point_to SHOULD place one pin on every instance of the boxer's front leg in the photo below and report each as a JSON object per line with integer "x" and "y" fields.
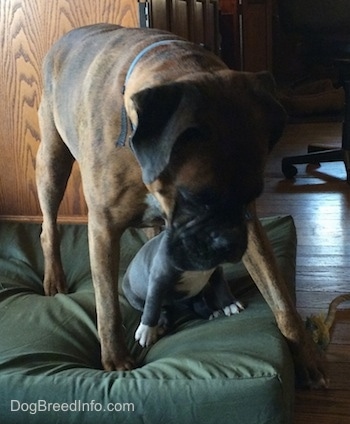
{"x": 104, "y": 245}
{"x": 260, "y": 262}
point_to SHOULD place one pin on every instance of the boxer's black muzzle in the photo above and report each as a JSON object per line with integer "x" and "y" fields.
{"x": 205, "y": 233}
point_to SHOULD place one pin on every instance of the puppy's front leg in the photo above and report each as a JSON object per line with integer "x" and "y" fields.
{"x": 104, "y": 242}
{"x": 149, "y": 331}
{"x": 260, "y": 262}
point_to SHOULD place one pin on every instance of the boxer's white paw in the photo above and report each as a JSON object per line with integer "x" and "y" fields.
{"x": 146, "y": 335}
{"x": 234, "y": 308}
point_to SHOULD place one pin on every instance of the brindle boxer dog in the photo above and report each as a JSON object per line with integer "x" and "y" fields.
{"x": 149, "y": 115}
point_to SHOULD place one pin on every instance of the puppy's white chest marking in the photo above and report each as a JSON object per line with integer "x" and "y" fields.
{"x": 192, "y": 282}
{"x": 153, "y": 211}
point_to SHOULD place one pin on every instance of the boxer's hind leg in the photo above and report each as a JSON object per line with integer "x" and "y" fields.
{"x": 53, "y": 166}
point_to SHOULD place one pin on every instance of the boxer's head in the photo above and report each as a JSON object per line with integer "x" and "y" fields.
{"x": 202, "y": 146}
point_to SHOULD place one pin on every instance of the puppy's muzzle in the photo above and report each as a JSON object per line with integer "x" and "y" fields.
{"x": 205, "y": 242}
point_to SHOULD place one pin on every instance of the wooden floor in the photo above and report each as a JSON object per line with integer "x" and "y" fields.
{"x": 319, "y": 201}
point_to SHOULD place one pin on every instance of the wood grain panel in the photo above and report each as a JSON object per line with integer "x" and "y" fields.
{"x": 28, "y": 28}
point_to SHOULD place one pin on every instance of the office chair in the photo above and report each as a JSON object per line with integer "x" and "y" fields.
{"x": 325, "y": 28}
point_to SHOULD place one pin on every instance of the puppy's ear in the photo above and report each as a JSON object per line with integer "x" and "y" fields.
{"x": 159, "y": 125}
{"x": 265, "y": 90}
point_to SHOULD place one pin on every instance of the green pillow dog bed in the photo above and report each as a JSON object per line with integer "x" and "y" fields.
{"x": 234, "y": 369}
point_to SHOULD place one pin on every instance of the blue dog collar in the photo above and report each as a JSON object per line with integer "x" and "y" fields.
{"x": 124, "y": 118}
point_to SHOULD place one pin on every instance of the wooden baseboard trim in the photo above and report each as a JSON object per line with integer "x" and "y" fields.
{"x": 38, "y": 219}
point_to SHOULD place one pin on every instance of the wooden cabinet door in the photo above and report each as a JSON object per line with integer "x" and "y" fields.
{"x": 206, "y": 21}
{"x": 246, "y": 31}
{"x": 182, "y": 19}
{"x": 195, "y": 20}
{"x": 257, "y": 35}
{"x": 28, "y": 28}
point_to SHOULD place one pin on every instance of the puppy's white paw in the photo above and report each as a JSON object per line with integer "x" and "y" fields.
{"x": 146, "y": 335}
{"x": 215, "y": 314}
{"x": 234, "y": 308}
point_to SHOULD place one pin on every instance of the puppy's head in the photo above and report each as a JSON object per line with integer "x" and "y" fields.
{"x": 205, "y": 230}
{"x": 202, "y": 146}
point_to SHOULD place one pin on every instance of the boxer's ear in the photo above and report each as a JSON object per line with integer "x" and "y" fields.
{"x": 265, "y": 90}
{"x": 158, "y": 126}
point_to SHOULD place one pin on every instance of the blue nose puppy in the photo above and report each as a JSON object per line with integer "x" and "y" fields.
{"x": 153, "y": 281}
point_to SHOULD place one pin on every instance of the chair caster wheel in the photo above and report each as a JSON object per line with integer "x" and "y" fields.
{"x": 289, "y": 171}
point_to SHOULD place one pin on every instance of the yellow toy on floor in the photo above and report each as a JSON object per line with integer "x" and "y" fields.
{"x": 320, "y": 326}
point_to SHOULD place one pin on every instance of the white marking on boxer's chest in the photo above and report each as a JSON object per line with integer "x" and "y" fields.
{"x": 192, "y": 282}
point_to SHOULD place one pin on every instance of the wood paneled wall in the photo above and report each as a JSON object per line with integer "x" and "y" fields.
{"x": 27, "y": 30}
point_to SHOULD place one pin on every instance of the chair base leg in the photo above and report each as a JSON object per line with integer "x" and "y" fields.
{"x": 314, "y": 148}
{"x": 347, "y": 165}
{"x": 318, "y": 156}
